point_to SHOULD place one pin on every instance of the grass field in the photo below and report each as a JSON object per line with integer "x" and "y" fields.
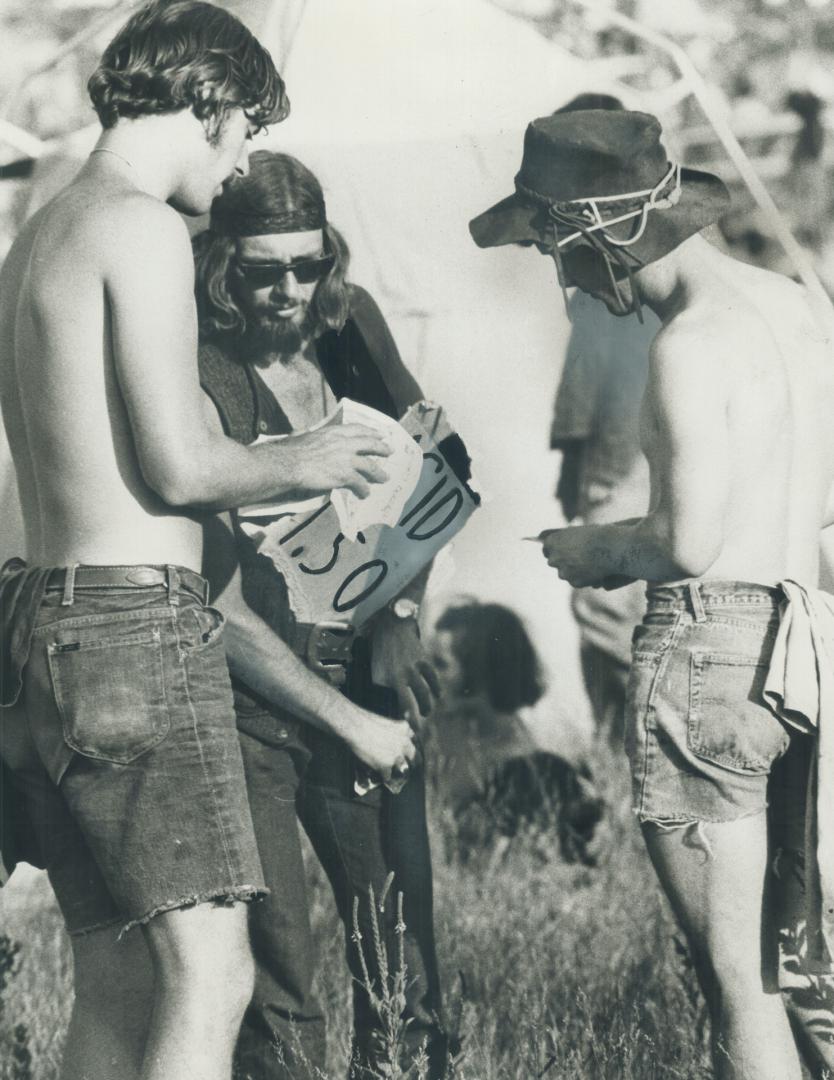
{"x": 556, "y": 971}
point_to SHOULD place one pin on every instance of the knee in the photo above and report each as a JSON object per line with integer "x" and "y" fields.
{"x": 239, "y": 981}
{"x": 212, "y": 969}
{"x": 205, "y": 959}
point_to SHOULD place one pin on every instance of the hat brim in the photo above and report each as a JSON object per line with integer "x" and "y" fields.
{"x": 704, "y": 200}
{"x": 511, "y": 221}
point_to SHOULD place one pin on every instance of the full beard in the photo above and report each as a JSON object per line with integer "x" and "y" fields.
{"x": 268, "y": 334}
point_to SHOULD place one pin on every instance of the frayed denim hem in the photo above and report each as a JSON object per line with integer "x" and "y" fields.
{"x": 221, "y": 898}
{"x": 94, "y": 928}
{"x": 696, "y": 836}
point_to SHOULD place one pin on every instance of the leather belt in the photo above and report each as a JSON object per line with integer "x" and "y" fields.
{"x": 129, "y": 577}
{"x": 326, "y": 647}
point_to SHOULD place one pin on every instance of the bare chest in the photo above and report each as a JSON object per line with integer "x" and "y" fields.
{"x": 300, "y": 389}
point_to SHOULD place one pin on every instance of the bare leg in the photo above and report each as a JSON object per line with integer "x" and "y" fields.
{"x": 204, "y": 979}
{"x": 714, "y": 875}
{"x": 110, "y": 1014}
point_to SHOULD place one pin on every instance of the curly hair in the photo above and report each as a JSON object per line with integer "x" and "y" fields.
{"x": 185, "y": 54}
{"x": 278, "y": 186}
{"x": 495, "y": 653}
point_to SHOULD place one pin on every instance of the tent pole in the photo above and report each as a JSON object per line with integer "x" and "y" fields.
{"x": 699, "y": 89}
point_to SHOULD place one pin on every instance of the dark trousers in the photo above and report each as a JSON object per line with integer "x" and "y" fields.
{"x": 308, "y": 777}
{"x": 605, "y": 679}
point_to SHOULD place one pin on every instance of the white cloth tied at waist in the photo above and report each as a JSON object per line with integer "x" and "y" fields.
{"x": 799, "y": 688}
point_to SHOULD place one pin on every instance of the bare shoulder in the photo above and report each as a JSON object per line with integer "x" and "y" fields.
{"x": 106, "y": 234}
{"x": 135, "y": 224}
{"x": 788, "y": 308}
{"x": 691, "y": 348}
{"x": 738, "y": 328}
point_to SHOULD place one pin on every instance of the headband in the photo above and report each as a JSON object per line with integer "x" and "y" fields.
{"x": 229, "y": 221}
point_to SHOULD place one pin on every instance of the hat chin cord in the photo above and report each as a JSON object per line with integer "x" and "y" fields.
{"x": 584, "y": 217}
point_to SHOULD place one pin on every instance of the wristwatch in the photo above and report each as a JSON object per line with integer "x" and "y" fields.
{"x": 403, "y": 607}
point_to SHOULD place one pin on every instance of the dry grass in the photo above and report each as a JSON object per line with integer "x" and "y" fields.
{"x": 553, "y": 971}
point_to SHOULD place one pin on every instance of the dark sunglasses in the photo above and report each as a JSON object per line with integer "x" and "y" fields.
{"x": 259, "y": 275}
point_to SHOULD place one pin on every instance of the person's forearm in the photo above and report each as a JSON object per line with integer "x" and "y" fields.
{"x": 640, "y": 548}
{"x": 224, "y": 474}
{"x": 266, "y": 664}
{"x": 385, "y": 619}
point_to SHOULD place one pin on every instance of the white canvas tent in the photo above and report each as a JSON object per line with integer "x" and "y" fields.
{"x": 412, "y": 114}
{"x": 423, "y": 130}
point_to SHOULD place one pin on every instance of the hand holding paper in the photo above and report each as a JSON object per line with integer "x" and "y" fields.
{"x": 329, "y": 576}
{"x": 388, "y": 474}
{"x": 385, "y": 501}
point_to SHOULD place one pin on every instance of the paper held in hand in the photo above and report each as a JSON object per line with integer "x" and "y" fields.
{"x": 345, "y": 558}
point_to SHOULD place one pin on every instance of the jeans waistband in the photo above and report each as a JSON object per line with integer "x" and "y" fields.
{"x": 172, "y": 578}
{"x": 698, "y": 597}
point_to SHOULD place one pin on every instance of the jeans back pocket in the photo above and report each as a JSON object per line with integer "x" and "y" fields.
{"x": 110, "y": 692}
{"x": 729, "y": 723}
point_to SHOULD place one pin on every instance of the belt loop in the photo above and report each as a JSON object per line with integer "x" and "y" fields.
{"x": 69, "y": 586}
{"x": 697, "y": 601}
{"x": 173, "y": 586}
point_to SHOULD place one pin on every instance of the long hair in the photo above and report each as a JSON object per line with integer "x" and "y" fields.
{"x": 495, "y": 653}
{"x": 178, "y": 54}
{"x": 278, "y": 185}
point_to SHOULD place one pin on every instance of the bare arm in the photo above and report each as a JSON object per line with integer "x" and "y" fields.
{"x": 683, "y": 533}
{"x": 262, "y": 660}
{"x": 149, "y": 283}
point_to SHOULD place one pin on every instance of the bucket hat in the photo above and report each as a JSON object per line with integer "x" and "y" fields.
{"x": 602, "y": 180}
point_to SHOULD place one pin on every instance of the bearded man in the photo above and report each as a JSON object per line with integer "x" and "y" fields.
{"x": 283, "y": 337}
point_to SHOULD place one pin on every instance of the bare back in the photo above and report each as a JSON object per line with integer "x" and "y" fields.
{"x": 82, "y": 491}
{"x": 753, "y": 362}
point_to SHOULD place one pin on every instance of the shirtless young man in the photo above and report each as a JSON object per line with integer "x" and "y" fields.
{"x": 736, "y": 424}
{"x": 121, "y": 731}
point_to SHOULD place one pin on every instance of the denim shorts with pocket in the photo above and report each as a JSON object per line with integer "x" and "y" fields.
{"x": 699, "y": 736}
{"x": 124, "y": 748}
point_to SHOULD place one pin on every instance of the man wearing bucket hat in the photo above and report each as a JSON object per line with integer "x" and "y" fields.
{"x": 586, "y": 191}
{"x": 730, "y": 678}
{"x": 603, "y": 473}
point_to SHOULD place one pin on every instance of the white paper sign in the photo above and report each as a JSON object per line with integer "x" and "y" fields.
{"x": 385, "y": 503}
{"x": 330, "y": 577}
{"x": 386, "y": 500}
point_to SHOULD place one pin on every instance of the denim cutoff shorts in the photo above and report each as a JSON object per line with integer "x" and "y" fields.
{"x": 125, "y": 752}
{"x": 699, "y": 736}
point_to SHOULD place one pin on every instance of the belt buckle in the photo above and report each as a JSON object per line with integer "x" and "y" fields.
{"x": 144, "y": 576}
{"x": 329, "y": 648}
